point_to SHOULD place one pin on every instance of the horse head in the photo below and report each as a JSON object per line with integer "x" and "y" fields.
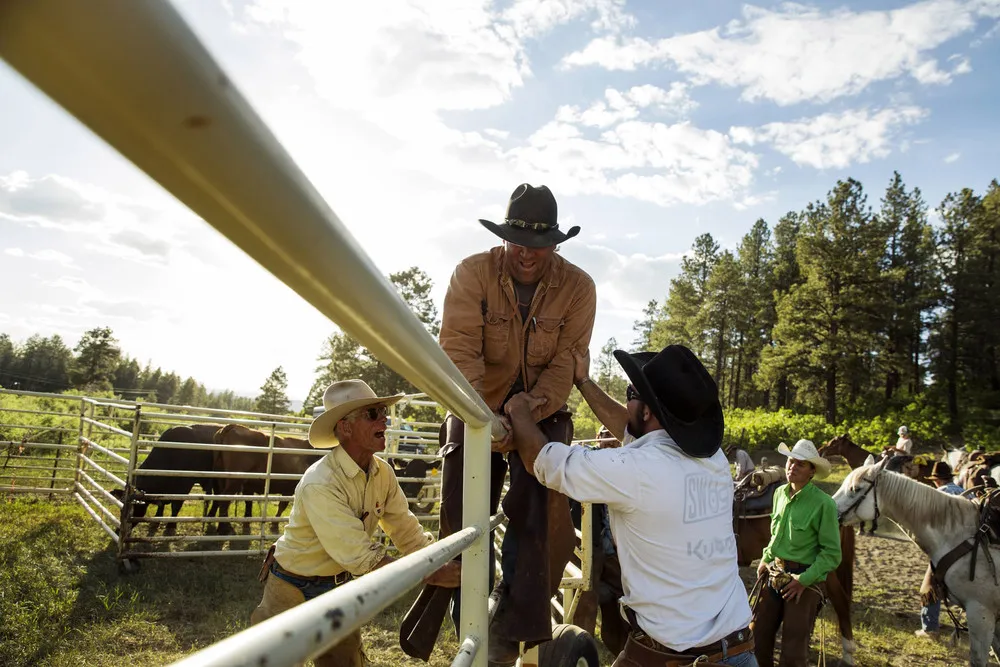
{"x": 856, "y": 499}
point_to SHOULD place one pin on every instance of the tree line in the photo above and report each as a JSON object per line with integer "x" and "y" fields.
{"x": 97, "y": 365}
{"x": 842, "y": 309}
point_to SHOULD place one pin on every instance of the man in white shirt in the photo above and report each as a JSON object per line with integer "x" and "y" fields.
{"x": 670, "y": 497}
{"x": 339, "y": 502}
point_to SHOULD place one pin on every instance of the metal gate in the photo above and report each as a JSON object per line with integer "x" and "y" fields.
{"x": 101, "y": 445}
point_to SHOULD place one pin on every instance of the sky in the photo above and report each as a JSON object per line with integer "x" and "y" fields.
{"x": 652, "y": 122}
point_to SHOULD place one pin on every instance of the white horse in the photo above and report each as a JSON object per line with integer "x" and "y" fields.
{"x": 938, "y": 522}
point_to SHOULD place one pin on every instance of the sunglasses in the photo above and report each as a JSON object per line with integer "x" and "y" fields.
{"x": 374, "y": 414}
{"x": 631, "y": 394}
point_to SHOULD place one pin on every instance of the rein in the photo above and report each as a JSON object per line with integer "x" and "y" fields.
{"x": 873, "y": 489}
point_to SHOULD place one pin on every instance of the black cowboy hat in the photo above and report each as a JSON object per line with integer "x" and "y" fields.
{"x": 941, "y": 470}
{"x": 531, "y": 219}
{"x": 681, "y": 394}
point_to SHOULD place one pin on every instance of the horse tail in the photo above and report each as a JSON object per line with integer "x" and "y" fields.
{"x": 845, "y": 571}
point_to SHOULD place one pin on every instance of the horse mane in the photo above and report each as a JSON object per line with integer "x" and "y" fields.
{"x": 926, "y": 504}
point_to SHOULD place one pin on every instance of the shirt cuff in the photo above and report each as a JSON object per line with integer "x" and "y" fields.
{"x": 550, "y": 458}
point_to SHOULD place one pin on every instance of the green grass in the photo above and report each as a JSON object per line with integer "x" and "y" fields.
{"x": 64, "y": 603}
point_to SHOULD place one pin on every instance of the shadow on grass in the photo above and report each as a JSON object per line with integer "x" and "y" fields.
{"x": 65, "y": 602}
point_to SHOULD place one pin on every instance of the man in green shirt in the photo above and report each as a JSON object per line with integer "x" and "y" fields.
{"x": 804, "y": 548}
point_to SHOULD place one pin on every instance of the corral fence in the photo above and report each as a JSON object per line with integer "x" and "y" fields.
{"x": 137, "y": 75}
{"x": 92, "y": 449}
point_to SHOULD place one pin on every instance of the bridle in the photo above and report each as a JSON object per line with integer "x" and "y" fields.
{"x": 873, "y": 489}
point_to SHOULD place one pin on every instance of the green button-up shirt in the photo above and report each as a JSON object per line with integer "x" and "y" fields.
{"x": 804, "y": 529}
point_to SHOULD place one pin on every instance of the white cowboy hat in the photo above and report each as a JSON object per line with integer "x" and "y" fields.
{"x": 339, "y": 400}
{"x": 804, "y": 450}
{"x": 903, "y": 430}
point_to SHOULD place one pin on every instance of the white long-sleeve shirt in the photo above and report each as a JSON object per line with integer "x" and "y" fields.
{"x": 672, "y": 519}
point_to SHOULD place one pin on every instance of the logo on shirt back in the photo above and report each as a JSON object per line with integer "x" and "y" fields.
{"x": 705, "y": 498}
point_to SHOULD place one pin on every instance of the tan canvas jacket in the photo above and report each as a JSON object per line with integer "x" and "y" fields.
{"x": 483, "y": 334}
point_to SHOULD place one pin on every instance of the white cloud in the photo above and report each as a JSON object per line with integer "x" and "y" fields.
{"x": 620, "y": 106}
{"x": 952, "y": 157}
{"x": 797, "y": 53}
{"x": 45, "y": 255}
{"x": 833, "y": 139}
{"x": 531, "y": 18}
{"x": 109, "y": 224}
{"x": 653, "y": 162}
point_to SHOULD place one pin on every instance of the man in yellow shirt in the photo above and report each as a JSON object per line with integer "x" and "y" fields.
{"x": 338, "y": 503}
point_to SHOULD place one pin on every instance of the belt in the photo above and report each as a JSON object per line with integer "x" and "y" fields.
{"x": 646, "y": 651}
{"x": 791, "y": 566}
{"x": 337, "y": 579}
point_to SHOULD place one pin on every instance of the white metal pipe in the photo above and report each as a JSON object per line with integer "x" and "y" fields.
{"x": 35, "y": 426}
{"x": 114, "y": 478}
{"x": 97, "y": 487}
{"x": 291, "y": 419}
{"x": 216, "y": 447}
{"x": 104, "y": 450}
{"x": 39, "y": 445}
{"x": 37, "y": 489}
{"x": 219, "y": 475}
{"x": 38, "y": 394}
{"x": 107, "y": 404}
{"x": 475, "y": 561}
{"x": 80, "y": 489}
{"x": 178, "y": 421}
{"x": 312, "y": 627}
{"x": 136, "y": 75}
{"x": 466, "y": 653}
{"x": 107, "y": 427}
{"x": 110, "y": 531}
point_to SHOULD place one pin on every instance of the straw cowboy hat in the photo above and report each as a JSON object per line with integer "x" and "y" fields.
{"x": 531, "y": 219}
{"x": 804, "y": 450}
{"x": 674, "y": 384}
{"x": 339, "y": 400}
{"x": 942, "y": 471}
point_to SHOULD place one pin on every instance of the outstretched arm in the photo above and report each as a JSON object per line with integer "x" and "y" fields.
{"x": 609, "y": 412}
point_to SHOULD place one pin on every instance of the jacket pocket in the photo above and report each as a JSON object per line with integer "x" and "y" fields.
{"x": 496, "y": 336}
{"x": 543, "y": 336}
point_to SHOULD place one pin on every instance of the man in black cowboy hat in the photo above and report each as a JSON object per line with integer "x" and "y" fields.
{"x": 670, "y": 499}
{"x": 512, "y": 317}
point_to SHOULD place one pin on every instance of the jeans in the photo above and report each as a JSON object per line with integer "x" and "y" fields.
{"x": 930, "y": 617}
{"x": 309, "y": 589}
{"x": 747, "y": 659}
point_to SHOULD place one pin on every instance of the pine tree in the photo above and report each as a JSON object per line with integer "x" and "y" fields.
{"x": 644, "y": 328}
{"x": 273, "y": 397}
{"x": 97, "y": 357}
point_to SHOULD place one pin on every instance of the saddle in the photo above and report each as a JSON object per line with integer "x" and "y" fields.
{"x": 986, "y": 536}
{"x": 755, "y": 494}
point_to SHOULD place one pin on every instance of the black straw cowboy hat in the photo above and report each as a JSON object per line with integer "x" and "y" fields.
{"x": 681, "y": 394}
{"x": 531, "y": 219}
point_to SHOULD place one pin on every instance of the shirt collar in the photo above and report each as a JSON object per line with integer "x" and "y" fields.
{"x": 347, "y": 464}
{"x": 657, "y": 437}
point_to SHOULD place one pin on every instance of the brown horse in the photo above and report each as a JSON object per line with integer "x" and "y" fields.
{"x": 752, "y": 526}
{"x": 915, "y": 467}
{"x": 842, "y": 445}
{"x": 252, "y": 462}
